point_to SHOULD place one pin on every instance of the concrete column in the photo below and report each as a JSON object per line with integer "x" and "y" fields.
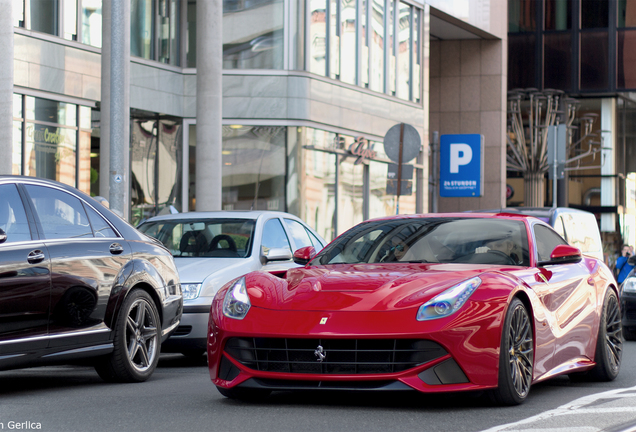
{"x": 209, "y": 104}
{"x": 6, "y": 86}
{"x": 104, "y": 107}
{"x": 608, "y": 157}
{"x": 119, "y": 175}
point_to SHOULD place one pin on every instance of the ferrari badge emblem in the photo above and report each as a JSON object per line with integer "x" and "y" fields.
{"x": 320, "y": 354}
{"x": 323, "y": 320}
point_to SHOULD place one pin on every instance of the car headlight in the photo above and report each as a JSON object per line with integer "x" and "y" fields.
{"x": 629, "y": 285}
{"x": 236, "y": 303}
{"x": 448, "y": 302}
{"x": 190, "y": 291}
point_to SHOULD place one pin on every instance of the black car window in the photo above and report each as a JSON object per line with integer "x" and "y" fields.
{"x": 298, "y": 233}
{"x": 431, "y": 240}
{"x": 13, "y": 219}
{"x": 101, "y": 228}
{"x": 61, "y": 215}
{"x": 274, "y": 236}
{"x": 546, "y": 241}
{"x": 196, "y": 238}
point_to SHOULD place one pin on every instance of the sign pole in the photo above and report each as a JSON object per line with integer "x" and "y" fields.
{"x": 399, "y": 179}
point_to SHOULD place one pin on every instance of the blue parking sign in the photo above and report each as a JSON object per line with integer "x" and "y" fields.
{"x": 461, "y": 165}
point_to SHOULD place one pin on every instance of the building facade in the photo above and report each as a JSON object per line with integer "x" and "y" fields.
{"x": 309, "y": 87}
{"x": 586, "y": 50}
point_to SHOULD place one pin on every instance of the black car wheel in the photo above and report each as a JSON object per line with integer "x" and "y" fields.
{"x": 609, "y": 344}
{"x": 516, "y": 356}
{"x": 136, "y": 342}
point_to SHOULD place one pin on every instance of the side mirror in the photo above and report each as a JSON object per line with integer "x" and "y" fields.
{"x": 563, "y": 254}
{"x": 275, "y": 254}
{"x": 303, "y": 255}
{"x": 3, "y": 236}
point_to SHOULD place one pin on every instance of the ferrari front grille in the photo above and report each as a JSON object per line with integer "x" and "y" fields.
{"x": 332, "y": 356}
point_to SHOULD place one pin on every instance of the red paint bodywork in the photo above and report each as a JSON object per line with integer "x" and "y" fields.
{"x": 382, "y": 300}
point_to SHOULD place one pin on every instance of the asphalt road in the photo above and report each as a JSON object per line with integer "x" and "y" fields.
{"x": 180, "y": 397}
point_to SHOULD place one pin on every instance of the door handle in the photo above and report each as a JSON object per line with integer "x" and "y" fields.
{"x": 35, "y": 256}
{"x": 116, "y": 248}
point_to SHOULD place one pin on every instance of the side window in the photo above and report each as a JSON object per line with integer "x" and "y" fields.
{"x": 274, "y": 236}
{"x": 315, "y": 242}
{"x": 61, "y": 215}
{"x": 298, "y": 233}
{"x": 100, "y": 226}
{"x": 546, "y": 241}
{"x": 13, "y": 219}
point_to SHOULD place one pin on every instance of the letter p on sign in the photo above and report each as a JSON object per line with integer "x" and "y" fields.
{"x": 460, "y": 154}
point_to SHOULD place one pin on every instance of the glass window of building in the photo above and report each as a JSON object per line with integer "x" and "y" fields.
{"x": 626, "y": 60}
{"x": 417, "y": 55}
{"x": 91, "y": 20}
{"x": 141, "y": 28}
{"x": 626, "y": 13}
{"x": 18, "y": 127}
{"x": 376, "y": 49}
{"x": 594, "y": 74}
{"x": 594, "y": 14}
{"x": 317, "y": 39}
{"x": 60, "y": 18}
{"x": 558, "y": 14}
{"x": 253, "y": 34}
{"x": 155, "y": 167}
{"x": 391, "y": 48}
{"x": 521, "y": 53}
{"x": 404, "y": 52}
{"x": 350, "y": 189}
{"x": 51, "y": 140}
{"x": 557, "y": 62}
{"x": 334, "y": 39}
{"x": 191, "y": 46}
{"x": 254, "y": 167}
{"x": 522, "y": 15}
{"x": 348, "y": 44}
{"x": 319, "y": 182}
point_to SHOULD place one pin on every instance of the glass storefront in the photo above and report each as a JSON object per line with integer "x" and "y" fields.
{"x": 309, "y": 172}
{"x": 155, "y": 167}
{"x": 51, "y": 139}
{"x": 253, "y": 34}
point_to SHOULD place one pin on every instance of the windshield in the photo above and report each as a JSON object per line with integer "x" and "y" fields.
{"x": 222, "y": 238}
{"x": 431, "y": 240}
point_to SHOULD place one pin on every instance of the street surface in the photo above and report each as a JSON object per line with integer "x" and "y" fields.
{"x": 180, "y": 397}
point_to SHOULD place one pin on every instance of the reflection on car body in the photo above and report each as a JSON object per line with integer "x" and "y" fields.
{"x": 77, "y": 281}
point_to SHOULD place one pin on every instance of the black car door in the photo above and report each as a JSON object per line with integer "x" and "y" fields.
{"x": 86, "y": 256}
{"x": 25, "y": 280}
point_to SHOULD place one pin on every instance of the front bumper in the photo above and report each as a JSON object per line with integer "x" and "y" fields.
{"x": 468, "y": 359}
{"x": 192, "y": 331}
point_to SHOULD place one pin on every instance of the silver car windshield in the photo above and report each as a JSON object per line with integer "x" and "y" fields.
{"x": 221, "y": 238}
{"x": 431, "y": 240}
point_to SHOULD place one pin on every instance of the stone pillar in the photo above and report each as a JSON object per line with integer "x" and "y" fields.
{"x": 119, "y": 174}
{"x": 6, "y": 86}
{"x": 104, "y": 107}
{"x": 209, "y": 105}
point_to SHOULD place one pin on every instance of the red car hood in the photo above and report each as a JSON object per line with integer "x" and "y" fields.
{"x": 362, "y": 287}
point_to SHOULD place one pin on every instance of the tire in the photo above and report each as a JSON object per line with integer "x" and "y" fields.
{"x": 516, "y": 356}
{"x": 246, "y": 395}
{"x": 609, "y": 343}
{"x": 136, "y": 341}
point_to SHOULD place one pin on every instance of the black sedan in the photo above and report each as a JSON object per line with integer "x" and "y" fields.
{"x": 77, "y": 282}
